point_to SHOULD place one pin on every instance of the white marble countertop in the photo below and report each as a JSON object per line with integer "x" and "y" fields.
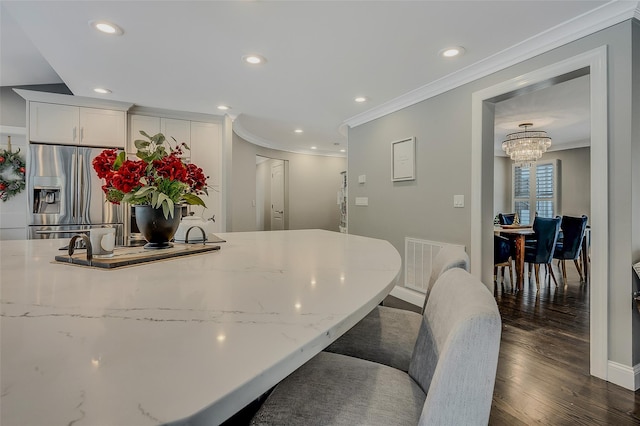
{"x": 194, "y": 338}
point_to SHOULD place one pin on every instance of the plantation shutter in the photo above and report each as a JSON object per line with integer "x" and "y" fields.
{"x": 522, "y": 193}
{"x": 545, "y": 189}
{"x": 536, "y": 186}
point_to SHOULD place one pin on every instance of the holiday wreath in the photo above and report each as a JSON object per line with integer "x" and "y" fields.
{"x": 12, "y": 174}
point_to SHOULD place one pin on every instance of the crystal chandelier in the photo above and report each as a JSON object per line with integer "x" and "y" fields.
{"x": 526, "y": 147}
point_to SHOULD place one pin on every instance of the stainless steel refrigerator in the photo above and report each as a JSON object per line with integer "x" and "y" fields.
{"x": 65, "y": 195}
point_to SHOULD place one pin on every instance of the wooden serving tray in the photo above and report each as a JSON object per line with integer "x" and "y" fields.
{"x": 127, "y": 256}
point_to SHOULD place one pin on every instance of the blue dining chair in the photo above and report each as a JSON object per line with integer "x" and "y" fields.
{"x": 502, "y": 248}
{"x": 540, "y": 251}
{"x": 568, "y": 248}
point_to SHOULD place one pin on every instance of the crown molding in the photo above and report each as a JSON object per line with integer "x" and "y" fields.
{"x": 590, "y": 22}
{"x": 260, "y": 141}
{"x": 175, "y": 114}
{"x": 13, "y": 130}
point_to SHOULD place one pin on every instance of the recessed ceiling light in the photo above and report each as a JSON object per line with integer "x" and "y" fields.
{"x": 224, "y": 107}
{"x": 106, "y": 27}
{"x": 314, "y": 147}
{"x": 101, "y": 90}
{"x": 343, "y": 150}
{"x": 298, "y": 130}
{"x": 254, "y": 59}
{"x": 360, "y": 99}
{"x": 450, "y": 52}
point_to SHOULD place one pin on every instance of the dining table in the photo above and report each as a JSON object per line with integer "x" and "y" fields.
{"x": 518, "y": 234}
{"x": 190, "y": 340}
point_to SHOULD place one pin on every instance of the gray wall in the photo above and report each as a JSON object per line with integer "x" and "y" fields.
{"x": 314, "y": 182}
{"x": 13, "y": 108}
{"x": 575, "y": 182}
{"x": 442, "y": 127}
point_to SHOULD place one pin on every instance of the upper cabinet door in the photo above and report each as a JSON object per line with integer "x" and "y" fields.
{"x": 102, "y": 127}
{"x": 54, "y": 123}
{"x": 180, "y": 130}
{"x": 206, "y": 152}
{"x": 150, "y": 125}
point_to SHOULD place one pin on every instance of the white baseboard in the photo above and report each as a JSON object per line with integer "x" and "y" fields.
{"x": 408, "y": 295}
{"x": 623, "y": 375}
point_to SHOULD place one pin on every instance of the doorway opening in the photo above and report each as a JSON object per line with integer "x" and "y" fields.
{"x": 482, "y": 191}
{"x": 558, "y": 184}
{"x": 272, "y": 194}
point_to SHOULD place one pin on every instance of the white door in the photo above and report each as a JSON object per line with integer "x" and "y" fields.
{"x": 277, "y": 195}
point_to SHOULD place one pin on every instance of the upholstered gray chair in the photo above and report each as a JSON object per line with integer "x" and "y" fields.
{"x": 450, "y": 379}
{"x": 387, "y": 335}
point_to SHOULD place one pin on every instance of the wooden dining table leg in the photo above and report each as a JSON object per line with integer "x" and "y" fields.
{"x": 519, "y": 261}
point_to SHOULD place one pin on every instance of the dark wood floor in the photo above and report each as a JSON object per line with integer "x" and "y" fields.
{"x": 543, "y": 368}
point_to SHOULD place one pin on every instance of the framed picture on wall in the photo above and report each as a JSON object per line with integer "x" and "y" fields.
{"x": 403, "y": 161}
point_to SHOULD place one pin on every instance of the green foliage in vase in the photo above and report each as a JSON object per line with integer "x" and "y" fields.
{"x": 159, "y": 177}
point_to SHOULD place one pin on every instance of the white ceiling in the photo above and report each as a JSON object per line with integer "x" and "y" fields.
{"x": 186, "y": 55}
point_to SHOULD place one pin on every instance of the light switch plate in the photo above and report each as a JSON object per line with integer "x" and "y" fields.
{"x": 362, "y": 201}
{"x": 362, "y": 178}
{"x": 458, "y": 201}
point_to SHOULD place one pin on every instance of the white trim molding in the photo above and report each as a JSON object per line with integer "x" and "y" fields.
{"x": 12, "y": 130}
{"x": 408, "y": 295}
{"x": 481, "y": 226}
{"x": 590, "y": 22}
{"x": 260, "y": 141}
{"x": 623, "y": 375}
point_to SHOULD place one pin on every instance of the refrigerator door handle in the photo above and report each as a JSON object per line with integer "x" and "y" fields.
{"x": 74, "y": 186}
{"x": 81, "y": 186}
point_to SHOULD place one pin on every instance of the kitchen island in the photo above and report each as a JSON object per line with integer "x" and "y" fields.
{"x": 193, "y": 339}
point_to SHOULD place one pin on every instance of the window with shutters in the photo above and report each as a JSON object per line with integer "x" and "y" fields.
{"x": 535, "y": 190}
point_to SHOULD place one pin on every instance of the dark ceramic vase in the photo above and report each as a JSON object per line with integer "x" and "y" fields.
{"x": 153, "y": 226}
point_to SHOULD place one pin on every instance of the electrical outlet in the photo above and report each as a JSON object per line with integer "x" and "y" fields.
{"x": 458, "y": 201}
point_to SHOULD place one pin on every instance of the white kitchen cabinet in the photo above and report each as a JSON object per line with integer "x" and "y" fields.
{"x": 171, "y": 128}
{"x": 72, "y": 125}
{"x": 180, "y": 130}
{"x": 53, "y": 123}
{"x": 150, "y": 125}
{"x": 102, "y": 127}
{"x": 206, "y": 152}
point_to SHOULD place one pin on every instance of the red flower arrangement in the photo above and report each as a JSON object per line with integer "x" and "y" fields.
{"x": 159, "y": 178}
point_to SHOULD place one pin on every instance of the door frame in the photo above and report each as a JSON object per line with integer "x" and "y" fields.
{"x": 278, "y": 163}
{"x": 482, "y": 152}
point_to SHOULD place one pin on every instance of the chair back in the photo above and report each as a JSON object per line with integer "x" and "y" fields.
{"x": 456, "y": 354}
{"x": 546, "y": 234}
{"x": 573, "y": 229}
{"x": 448, "y": 257}
{"x": 501, "y": 249}
{"x": 506, "y": 218}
